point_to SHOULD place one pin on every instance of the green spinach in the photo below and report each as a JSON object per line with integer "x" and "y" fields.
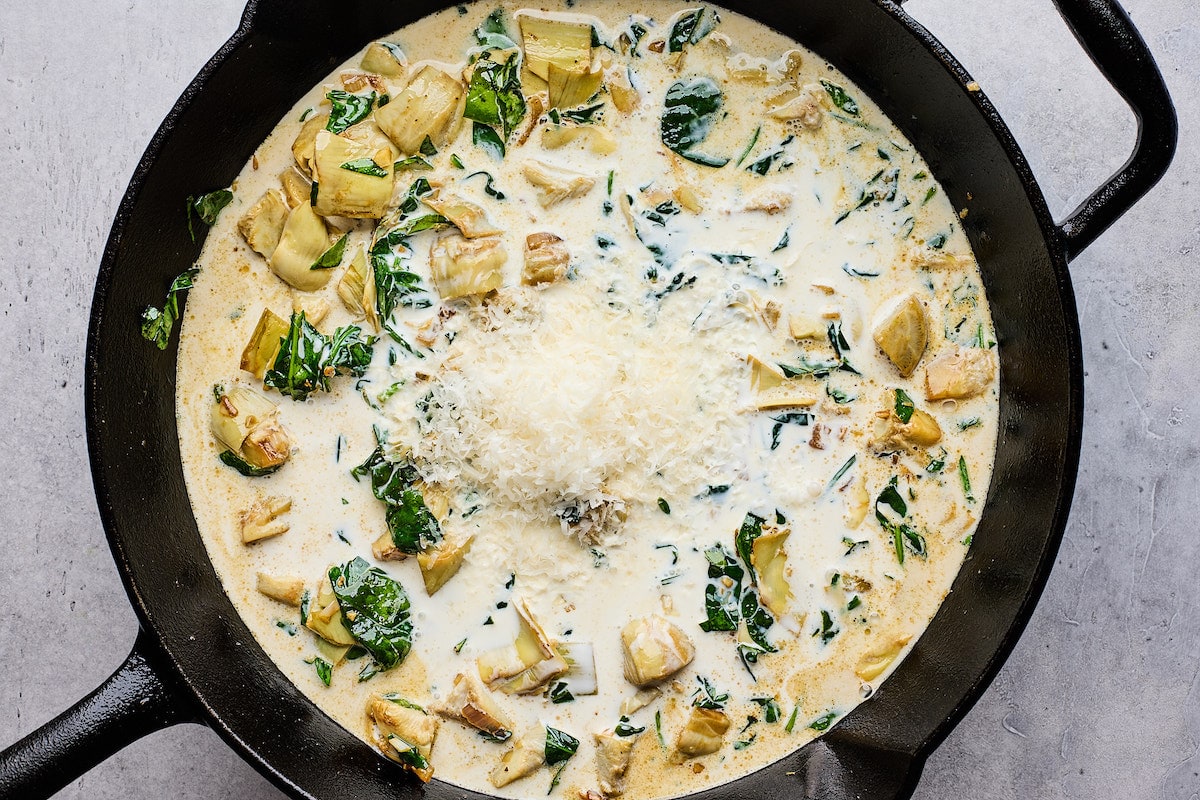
{"x": 307, "y": 358}
{"x": 691, "y": 26}
{"x": 157, "y": 323}
{"x": 376, "y": 610}
{"x": 347, "y": 109}
{"x": 494, "y": 95}
{"x": 231, "y": 459}
{"x": 690, "y": 108}
{"x": 332, "y": 257}
{"x": 206, "y": 208}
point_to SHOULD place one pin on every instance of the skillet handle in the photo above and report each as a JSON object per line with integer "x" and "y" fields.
{"x": 135, "y": 701}
{"x": 1105, "y": 31}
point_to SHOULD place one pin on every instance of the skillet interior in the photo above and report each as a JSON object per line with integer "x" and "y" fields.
{"x": 282, "y": 49}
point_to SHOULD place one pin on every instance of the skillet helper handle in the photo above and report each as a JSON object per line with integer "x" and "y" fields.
{"x": 1105, "y": 31}
{"x": 135, "y": 701}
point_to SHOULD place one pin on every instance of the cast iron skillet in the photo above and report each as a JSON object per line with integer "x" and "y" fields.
{"x": 194, "y": 660}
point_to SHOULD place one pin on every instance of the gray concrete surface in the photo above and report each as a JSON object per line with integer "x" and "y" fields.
{"x": 1100, "y": 698}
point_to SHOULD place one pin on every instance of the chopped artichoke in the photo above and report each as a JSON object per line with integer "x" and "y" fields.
{"x": 528, "y": 663}
{"x": 573, "y": 87}
{"x": 891, "y": 433}
{"x": 404, "y": 727}
{"x": 335, "y": 654}
{"x": 470, "y": 219}
{"x": 261, "y": 520}
{"x": 357, "y": 289}
{"x": 315, "y": 309}
{"x": 325, "y": 618}
{"x": 783, "y": 397}
{"x": 858, "y": 501}
{"x": 640, "y": 699}
{"x": 703, "y": 733}
{"x": 580, "y": 676}
{"x": 385, "y": 549}
{"x": 306, "y": 142}
{"x": 472, "y": 704}
{"x": 624, "y": 96}
{"x": 442, "y": 561}
{"x": 238, "y": 412}
{"x": 262, "y": 225}
{"x": 305, "y": 239}
{"x": 612, "y": 760}
{"x": 565, "y": 44}
{"x": 806, "y": 108}
{"x": 267, "y": 445}
{"x": 346, "y": 192}
{"x": 555, "y": 184}
{"x": 462, "y": 267}
{"x": 770, "y": 564}
{"x": 297, "y": 188}
{"x": 902, "y": 333}
{"x": 654, "y": 649}
{"x": 801, "y": 326}
{"x": 961, "y": 373}
{"x": 764, "y": 377}
{"x": 598, "y": 139}
{"x": 385, "y": 58}
{"x": 288, "y": 589}
{"x": 872, "y": 665}
{"x": 689, "y": 198}
{"x": 429, "y": 106}
{"x": 546, "y": 259}
{"x": 259, "y": 353}
{"x": 527, "y": 755}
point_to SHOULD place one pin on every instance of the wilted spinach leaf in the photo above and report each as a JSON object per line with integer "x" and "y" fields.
{"x": 231, "y": 459}
{"x": 689, "y": 111}
{"x": 307, "y": 358}
{"x": 494, "y": 95}
{"x": 487, "y": 140}
{"x": 840, "y": 99}
{"x": 156, "y": 323}
{"x": 347, "y": 109}
{"x": 376, "y": 610}
{"x": 691, "y": 26}
{"x": 206, "y": 208}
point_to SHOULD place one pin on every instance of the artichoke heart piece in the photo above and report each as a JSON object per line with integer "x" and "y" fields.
{"x": 546, "y": 259}
{"x": 247, "y": 423}
{"x": 527, "y": 755}
{"x": 555, "y": 184}
{"x": 385, "y": 58}
{"x": 462, "y": 267}
{"x": 404, "y": 732}
{"x": 892, "y": 433}
{"x": 259, "y": 353}
{"x": 964, "y": 372}
{"x": 429, "y": 106}
{"x": 262, "y": 225}
{"x": 769, "y": 560}
{"x": 262, "y": 519}
{"x": 858, "y": 502}
{"x": 357, "y": 289}
{"x": 612, "y": 761}
{"x": 873, "y": 664}
{"x": 442, "y": 561}
{"x": 348, "y": 176}
{"x": 902, "y": 332}
{"x": 297, "y": 188}
{"x": 238, "y": 412}
{"x": 598, "y": 139}
{"x": 528, "y": 663}
{"x": 703, "y": 734}
{"x": 624, "y": 96}
{"x": 654, "y": 649}
{"x": 304, "y": 147}
{"x": 580, "y": 676}
{"x": 286, "y": 589}
{"x": 470, "y": 219}
{"x": 573, "y": 87}
{"x": 325, "y": 618}
{"x": 763, "y": 376}
{"x": 565, "y": 44}
{"x": 471, "y": 703}
{"x": 305, "y": 239}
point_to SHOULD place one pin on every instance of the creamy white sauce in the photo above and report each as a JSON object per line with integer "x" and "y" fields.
{"x": 595, "y": 386}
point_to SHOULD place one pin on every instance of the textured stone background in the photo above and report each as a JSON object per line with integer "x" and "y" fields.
{"x": 1100, "y": 697}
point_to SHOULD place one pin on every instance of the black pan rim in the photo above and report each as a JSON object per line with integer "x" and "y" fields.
{"x": 1073, "y": 413}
